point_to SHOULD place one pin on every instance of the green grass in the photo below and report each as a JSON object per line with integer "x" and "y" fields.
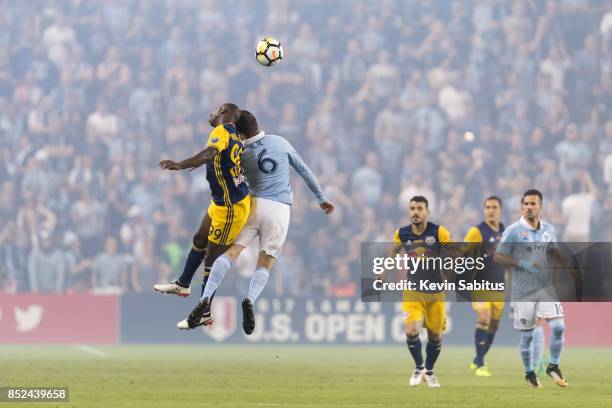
{"x": 273, "y": 376}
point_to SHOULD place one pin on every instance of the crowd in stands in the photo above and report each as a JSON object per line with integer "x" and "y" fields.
{"x": 453, "y": 100}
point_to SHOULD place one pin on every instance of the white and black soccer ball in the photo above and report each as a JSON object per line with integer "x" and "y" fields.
{"x": 269, "y": 51}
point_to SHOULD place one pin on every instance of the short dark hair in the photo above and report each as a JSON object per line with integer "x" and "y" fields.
{"x": 247, "y": 124}
{"x": 420, "y": 199}
{"x": 233, "y": 110}
{"x": 533, "y": 191}
{"x": 496, "y": 198}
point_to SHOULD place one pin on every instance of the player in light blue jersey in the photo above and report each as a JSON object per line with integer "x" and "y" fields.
{"x": 527, "y": 245}
{"x": 266, "y": 161}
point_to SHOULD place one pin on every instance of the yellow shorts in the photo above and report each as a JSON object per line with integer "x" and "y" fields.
{"x": 496, "y": 308}
{"x": 429, "y": 307}
{"x": 227, "y": 222}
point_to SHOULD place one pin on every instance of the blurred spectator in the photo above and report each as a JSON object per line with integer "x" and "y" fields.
{"x": 46, "y": 268}
{"x": 110, "y": 269}
{"x": 88, "y": 216}
{"x": 573, "y": 155}
{"x": 102, "y": 125}
{"x": 78, "y": 268}
{"x": 342, "y": 285}
{"x": 149, "y": 269}
{"x": 578, "y": 209}
{"x": 60, "y": 40}
{"x": 367, "y": 182}
{"x": 291, "y": 278}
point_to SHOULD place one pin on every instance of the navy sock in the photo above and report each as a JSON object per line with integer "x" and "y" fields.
{"x": 194, "y": 260}
{"x": 490, "y": 337}
{"x": 480, "y": 341}
{"x": 414, "y": 346}
{"x": 205, "y": 279}
{"x": 433, "y": 351}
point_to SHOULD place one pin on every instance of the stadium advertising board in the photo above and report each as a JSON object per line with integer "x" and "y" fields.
{"x": 35, "y": 318}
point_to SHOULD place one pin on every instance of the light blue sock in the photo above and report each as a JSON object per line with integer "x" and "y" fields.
{"x": 217, "y": 273}
{"x": 538, "y": 345}
{"x": 525, "y": 347}
{"x": 557, "y": 328}
{"x": 258, "y": 283}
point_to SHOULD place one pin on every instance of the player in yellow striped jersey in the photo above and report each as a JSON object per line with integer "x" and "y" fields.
{"x": 230, "y": 204}
{"x": 488, "y": 306}
{"x": 423, "y": 238}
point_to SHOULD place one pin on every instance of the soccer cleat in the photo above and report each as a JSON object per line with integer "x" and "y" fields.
{"x": 206, "y": 320}
{"x": 173, "y": 288}
{"x": 533, "y": 380}
{"x": 483, "y": 371}
{"x": 554, "y": 372}
{"x": 199, "y": 313}
{"x": 431, "y": 380}
{"x": 417, "y": 377}
{"x": 248, "y": 317}
{"x": 473, "y": 366}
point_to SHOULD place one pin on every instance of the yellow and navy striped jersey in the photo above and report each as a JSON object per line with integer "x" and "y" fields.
{"x": 426, "y": 244}
{"x": 432, "y": 234}
{"x": 224, "y": 174}
{"x": 485, "y": 241}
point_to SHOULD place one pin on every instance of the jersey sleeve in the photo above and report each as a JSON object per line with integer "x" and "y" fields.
{"x": 506, "y": 242}
{"x": 444, "y": 237}
{"x": 219, "y": 138}
{"x": 396, "y": 237}
{"x": 473, "y": 235}
{"x": 295, "y": 160}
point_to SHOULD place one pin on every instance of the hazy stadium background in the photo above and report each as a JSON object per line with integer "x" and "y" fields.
{"x": 453, "y": 100}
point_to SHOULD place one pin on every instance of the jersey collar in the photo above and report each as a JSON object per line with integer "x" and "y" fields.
{"x": 524, "y": 222}
{"x": 255, "y": 138}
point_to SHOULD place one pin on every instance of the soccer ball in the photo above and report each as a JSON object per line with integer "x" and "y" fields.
{"x": 269, "y": 51}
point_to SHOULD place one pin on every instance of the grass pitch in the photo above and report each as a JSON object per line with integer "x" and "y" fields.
{"x": 283, "y": 376}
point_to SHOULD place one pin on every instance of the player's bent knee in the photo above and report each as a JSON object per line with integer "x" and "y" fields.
{"x": 265, "y": 261}
{"x": 411, "y": 331}
{"x": 199, "y": 242}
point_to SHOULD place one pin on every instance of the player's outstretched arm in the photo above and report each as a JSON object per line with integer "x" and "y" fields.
{"x": 194, "y": 162}
{"x": 309, "y": 178}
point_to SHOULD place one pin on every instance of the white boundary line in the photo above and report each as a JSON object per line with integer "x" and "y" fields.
{"x": 91, "y": 350}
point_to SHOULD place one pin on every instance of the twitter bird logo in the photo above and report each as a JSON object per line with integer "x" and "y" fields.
{"x": 29, "y": 319}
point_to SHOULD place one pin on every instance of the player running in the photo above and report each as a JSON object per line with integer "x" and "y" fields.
{"x": 230, "y": 204}
{"x": 266, "y": 161}
{"x": 422, "y": 238}
{"x": 488, "y": 307}
{"x": 526, "y": 246}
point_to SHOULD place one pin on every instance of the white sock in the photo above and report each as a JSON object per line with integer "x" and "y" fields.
{"x": 258, "y": 283}
{"x": 217, "y": 273}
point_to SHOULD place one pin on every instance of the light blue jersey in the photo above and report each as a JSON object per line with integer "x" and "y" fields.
{"x": 524, "y": 243}
{"x": 266, "y": 160}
